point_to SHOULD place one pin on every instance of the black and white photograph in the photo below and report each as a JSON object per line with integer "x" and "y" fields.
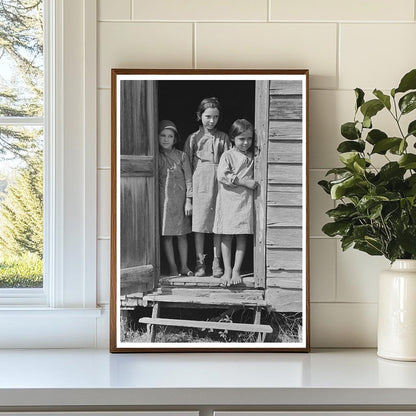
{"x": 209, "y": 210}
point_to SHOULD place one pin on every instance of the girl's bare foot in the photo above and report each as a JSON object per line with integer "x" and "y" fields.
{"x": 235, "y": 278}
{"x": 226, "y": 278}
{"x": 186, "y": 272}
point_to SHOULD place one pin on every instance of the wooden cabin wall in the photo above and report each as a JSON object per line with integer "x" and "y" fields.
{"x": 138, "y": 179}
{"x": 284, "y": 197}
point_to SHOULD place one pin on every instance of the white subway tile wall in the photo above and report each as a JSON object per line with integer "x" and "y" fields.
{"x": 104, "y": 128}
{"x": 339, "y": 11}
{"x": 270, "y": 45}
{"x": 200, "y": 10}
{"x": 114, "y": 10}
{"x": 345, "y": 44}
{"x": 367, "y": 53}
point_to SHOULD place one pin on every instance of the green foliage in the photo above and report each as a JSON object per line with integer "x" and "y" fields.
{"x": 376, "y": 210}
{"x": 21, "y": 212}
{"x": 21, "y": 95}
{"x": 21, "y": 271}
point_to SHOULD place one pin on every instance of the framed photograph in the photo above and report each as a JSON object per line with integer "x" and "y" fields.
{"x": 209, "y": 211}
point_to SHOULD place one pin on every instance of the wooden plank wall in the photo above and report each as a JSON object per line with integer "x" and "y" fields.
{"x": 284, "y": 198}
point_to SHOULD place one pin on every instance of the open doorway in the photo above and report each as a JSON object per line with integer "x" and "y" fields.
{"x": 178, "y": 101}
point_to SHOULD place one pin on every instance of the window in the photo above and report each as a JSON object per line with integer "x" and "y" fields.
{"x": 63, "y": 313}
{"x": 22, "y": 132}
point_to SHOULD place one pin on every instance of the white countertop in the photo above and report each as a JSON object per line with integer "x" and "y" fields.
{"x": 96, "y": 377}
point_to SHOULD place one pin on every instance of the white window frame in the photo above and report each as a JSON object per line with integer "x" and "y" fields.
{"x": 29, "y": 316}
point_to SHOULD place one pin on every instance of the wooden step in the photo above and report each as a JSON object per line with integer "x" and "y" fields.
{"x": 212, "y": 292}
{"x": 226, "y": 326}
{"x": 214, "y": 299}
{"x": 205, "y": 281}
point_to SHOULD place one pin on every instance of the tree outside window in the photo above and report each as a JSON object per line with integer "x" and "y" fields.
{"x": 21, "y": 143}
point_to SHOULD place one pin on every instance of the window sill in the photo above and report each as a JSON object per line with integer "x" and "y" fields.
{"x": 34, "y": 311}
{"x": 37, "y": 327}
{"x": 330, "y": 379}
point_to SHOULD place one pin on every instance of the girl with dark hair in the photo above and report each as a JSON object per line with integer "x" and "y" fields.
{"x": 204, "y": 148}
{"x": 235, "y": 202}
{"x": 175, "y": 190}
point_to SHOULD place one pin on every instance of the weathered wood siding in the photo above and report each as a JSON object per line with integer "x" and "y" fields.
{"x": 138, "y": 180}
{"x": 284, "y": 197}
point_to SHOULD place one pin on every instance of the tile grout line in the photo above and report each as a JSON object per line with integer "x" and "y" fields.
{"x": 131, "y": 10}
{"x": 269, "y": 10}
{"x": 254, "y": 21}
{"x": 336, "y": 271}
{"x": 338, "y": 63}
{"x": 194, "y": 62}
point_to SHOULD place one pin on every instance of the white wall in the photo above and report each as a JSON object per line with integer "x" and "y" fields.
{"x": 345, "y": 44}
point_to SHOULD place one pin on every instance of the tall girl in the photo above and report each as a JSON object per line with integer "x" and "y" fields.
{"x": 205, "y": 148}
{"x": 235, "y": 209}
{"x": 175, "y": 190}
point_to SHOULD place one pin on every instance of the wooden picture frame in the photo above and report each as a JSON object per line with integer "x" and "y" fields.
{"x": 153, "y": 309}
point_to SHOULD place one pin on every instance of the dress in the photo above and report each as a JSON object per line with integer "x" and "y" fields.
{"x": 175, "y": 185}
{"x": 234, "y": 212}
{"x": 204, "y": 151}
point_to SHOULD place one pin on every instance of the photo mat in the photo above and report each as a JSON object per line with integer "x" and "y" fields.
{"x": 156, "y": 309}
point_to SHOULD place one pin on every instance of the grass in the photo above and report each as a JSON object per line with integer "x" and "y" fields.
{"x": 24, "y": 271}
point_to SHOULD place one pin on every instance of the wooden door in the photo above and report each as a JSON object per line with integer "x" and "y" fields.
{"x": 139, "y": 234}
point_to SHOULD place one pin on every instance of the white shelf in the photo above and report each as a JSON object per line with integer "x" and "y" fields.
{"x": 59, "y": 378}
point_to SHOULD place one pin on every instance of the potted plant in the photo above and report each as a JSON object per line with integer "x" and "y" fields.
{"x": 376, "y": 206}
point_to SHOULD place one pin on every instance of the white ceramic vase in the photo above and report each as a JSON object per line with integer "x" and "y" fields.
{"x": 397, "y": 312}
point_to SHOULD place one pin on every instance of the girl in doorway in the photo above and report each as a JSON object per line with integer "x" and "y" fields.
{"x": 204, "y": 148}
{"x": 175, "y": 189}
{"x": 234, "y": 210}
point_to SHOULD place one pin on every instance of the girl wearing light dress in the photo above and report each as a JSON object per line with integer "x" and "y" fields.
{"x": 175, "y": 191}
{"x": 204, "y": 148}
{"x": 235, "y": 201}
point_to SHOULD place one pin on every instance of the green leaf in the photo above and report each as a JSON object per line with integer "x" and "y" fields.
{"x": 359, "y": 165}
{"x": 368, "y": 248}
{"x": 349, "y": 131}
{"x": 393, "y": 250}
{"x": 342, "y": 211}
{"x": 338, "y": 189}
{"x": 369, "y": 201}
{"x": 402, "y": 147}
{"x": 411, "y": 130}
{"x": 408, "y": 82}
{"x": 348, "y": 158}
{"x": 385, "y": 99}
{"x": 349, "y": 146}
{"x": 371, "y": 108}
{"x": 361, "y": 231}
{"x": 399, "y": 148}
{"x": 359, "y": 95}
{"x": 375, "y": 136}
{"x": 367, "y": 122}
{"x": 375, "y": 211}
{"x": 408, "y": 161}
{"x": 386, "y": 144}
{"x": 408, "y": 102}
{"x": 338, "y": 171}
{"x": 346, "y": 242}
{"x": 407, "y": 239}
{"x": 391, "y": 170}
{"x": 325, "y": 186}
{"x": 336, "y": 228}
